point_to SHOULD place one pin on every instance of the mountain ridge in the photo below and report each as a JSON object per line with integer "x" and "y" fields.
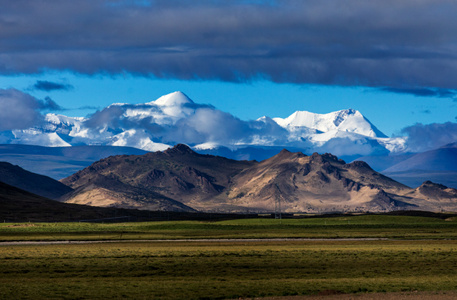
{"x": 59, "y": 162}
{"x": 438, "y": 165}
{"x": 34, "y": 183}
{"x": 348, "y": 120}
{"x": 303, "y": 183}
{"x": 443, "y": 159}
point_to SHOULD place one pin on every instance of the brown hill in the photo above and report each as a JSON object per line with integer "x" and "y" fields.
{"x": 17, "y": 205}
{"x": 176, "y": 179}
{"x": 315, "y": 183}
{"x": 32, "y": 182}
{"x": 300, "y": 183}
{"x": 434, "y": 197}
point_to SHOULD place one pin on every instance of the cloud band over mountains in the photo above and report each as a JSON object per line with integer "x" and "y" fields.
{"x": 404, "y": 45}
{"x": 190, "y": 123}
{"x": 19, "y": 110}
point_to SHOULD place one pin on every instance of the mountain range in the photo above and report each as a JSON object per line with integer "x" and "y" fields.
{"x": 179, "y": 179}
{"x": 437, "y": 165}
{"x": 175, "y": 118}
{"x": 59, "y": 162}
{"x": 63, "y": 145}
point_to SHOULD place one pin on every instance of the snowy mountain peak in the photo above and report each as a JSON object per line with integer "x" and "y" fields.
{"x": 174, "y": 118}
{"x": 349, "y": 120}
{"x": 173, "y": 99}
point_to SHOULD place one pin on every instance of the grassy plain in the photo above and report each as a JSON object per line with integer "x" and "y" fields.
{"x": 420, "y": 253}
{"x": 219, "y": 270}
{"x": 363, "y": 226}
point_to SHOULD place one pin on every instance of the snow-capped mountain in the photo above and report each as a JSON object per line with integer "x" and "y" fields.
{"x": 348, "y": 120}
{"x": 175, "y": 118}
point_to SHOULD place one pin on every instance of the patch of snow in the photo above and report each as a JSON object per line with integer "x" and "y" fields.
{"x": 394, "y": 145}
{"x": 173, "y": 99}
{"x": 117, "y": 104}
{"x": 137, "y": 139}
{"x": 35, "y": 137}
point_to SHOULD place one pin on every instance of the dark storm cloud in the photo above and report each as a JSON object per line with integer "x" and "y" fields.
{"x": 48, "y": 86}
{"x": 426, "y": 137}
{"x": 423, "y": 92}
{"x": 399, "y": 44}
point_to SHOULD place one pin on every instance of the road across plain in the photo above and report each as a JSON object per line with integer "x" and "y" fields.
{"x": 10, "y": 243}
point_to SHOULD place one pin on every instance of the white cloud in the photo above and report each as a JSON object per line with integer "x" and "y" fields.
{"x": 430, "y": 136}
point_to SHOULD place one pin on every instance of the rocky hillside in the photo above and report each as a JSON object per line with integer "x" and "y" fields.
{"x": 176, "y": 179}
{"x": 180, "y": 179}
{"x": 315, "y": 183}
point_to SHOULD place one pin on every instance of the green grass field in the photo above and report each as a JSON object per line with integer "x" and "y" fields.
{"x": 420, "y": 254}
{"x": 219, "y": 270}
{"x": 364, "y": 226}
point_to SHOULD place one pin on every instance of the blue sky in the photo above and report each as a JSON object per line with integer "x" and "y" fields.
{"x": 395, "y": 61}
{"x": 390, "y": 112}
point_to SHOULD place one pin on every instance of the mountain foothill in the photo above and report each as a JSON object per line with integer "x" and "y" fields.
{"x": 181, "y": 180}
{"x": 300, "y": 183}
